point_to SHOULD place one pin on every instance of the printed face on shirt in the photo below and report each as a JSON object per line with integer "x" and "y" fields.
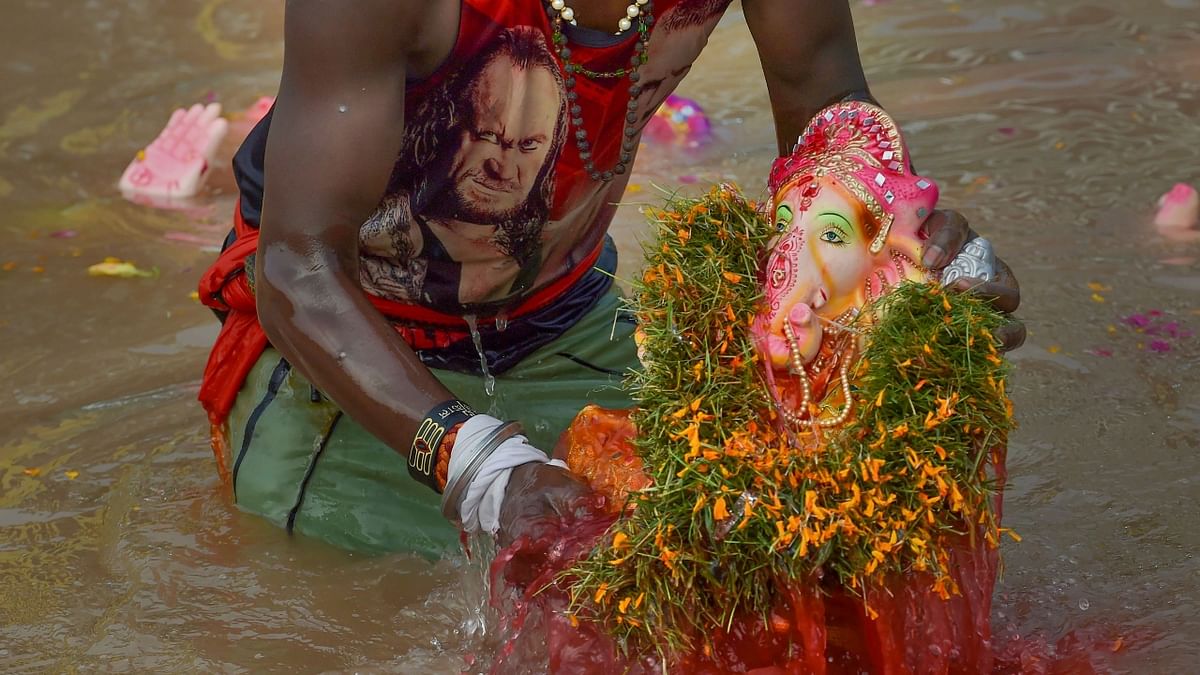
{"x": 506, "y": 143}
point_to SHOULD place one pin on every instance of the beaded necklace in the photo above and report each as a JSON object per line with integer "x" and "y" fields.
{"x": 631, "y": 12}
{"x": 645, "y": 19}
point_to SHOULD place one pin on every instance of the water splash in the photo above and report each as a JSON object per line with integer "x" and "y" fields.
{"x": 475, "y": 587}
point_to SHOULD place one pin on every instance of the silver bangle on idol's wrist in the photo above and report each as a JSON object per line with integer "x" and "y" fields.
{"x": 456, "y": 486}
{"x": 976, "y": 260}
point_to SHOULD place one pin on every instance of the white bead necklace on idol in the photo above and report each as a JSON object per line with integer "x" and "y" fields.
{"x": 631, "y": 12}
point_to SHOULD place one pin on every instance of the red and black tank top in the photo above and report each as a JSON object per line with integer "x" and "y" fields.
{"x": 489, "y": 201}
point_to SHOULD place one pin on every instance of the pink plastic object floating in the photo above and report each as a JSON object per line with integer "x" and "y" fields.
{"x": 241, "y": 123}
{"x": 259, "y": 110}
{"x": 679, "y": 121}
{"x": 174, "y": 165}
{"x": 1179, "y": 208}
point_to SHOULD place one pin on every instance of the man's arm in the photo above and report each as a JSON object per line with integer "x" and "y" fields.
{"x": 336, "y": 130}
{"x": 809, "y": 57}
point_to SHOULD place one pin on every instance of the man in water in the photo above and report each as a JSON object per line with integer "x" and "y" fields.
{"x": 374, "y": 297}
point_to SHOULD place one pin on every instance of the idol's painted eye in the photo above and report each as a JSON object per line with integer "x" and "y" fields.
{"x": 783, "y": 217}
{"x": 835, "y": 229}
{"x": 833, "y": 235}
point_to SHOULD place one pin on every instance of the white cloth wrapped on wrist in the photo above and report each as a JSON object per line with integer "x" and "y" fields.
{"x": 479, "y": 507}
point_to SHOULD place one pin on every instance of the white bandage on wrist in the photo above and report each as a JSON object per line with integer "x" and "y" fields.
{"x": 479, "y": 508}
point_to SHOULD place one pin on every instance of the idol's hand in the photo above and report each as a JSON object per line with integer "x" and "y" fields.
{"x": 539, "y": 495}
{"x": 948, "y": 232}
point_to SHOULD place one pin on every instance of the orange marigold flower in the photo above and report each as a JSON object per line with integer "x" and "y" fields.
{"x": 1015, "y": 537}
{"x": 719, "y": 510}
{"x": 620, "y": 541}
{"x": 732, "y": 277}
{"x": 600, "y": 592}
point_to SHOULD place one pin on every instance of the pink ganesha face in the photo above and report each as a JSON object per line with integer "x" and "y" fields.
{"x": 816, "y": 269}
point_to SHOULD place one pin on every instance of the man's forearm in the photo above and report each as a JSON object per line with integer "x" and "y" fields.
{"x": 809, "y": 57}
{"x": 337, "y": 127}
{"x": 324, "y": 325}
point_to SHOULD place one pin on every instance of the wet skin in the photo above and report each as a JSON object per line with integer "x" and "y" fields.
{"x": 327, "y": 170}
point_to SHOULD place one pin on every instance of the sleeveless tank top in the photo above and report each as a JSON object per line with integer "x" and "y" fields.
{"x": 489, "y": 201}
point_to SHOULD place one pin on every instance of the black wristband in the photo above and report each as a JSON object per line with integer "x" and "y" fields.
{"x": 423, "y": 455}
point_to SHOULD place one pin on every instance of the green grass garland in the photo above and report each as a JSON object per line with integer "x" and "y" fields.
{"x": 734, "y": 507}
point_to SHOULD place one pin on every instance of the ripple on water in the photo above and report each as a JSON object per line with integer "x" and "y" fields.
{"x": 1053, "y": 124}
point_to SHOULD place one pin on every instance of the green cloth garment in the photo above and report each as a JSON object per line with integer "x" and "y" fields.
{"x": 302, "y": 464}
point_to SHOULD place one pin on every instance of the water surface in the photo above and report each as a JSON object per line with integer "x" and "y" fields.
{"x": 1053, "y": 124}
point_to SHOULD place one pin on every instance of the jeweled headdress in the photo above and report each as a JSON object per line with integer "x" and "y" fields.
{"x": 859, "y": 145}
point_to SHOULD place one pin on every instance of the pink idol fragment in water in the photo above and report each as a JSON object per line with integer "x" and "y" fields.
{"x": 1179, "y": 208}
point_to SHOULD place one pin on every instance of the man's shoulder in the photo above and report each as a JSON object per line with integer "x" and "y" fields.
{"x": 415, "y": 28}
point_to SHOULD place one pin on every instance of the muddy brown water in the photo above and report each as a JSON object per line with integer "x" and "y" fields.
{"x": 1054, "y": 125}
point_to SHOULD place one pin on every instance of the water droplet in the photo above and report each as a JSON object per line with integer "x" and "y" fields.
{"x": 1084, "y": 604}
{"x": 502, "y": 323}
{"x": 342, "y": 108}
{"x": 541, "y": 426}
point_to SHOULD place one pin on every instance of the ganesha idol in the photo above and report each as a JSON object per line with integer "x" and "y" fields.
{"x": 845, "y": 227}
{"x": 848, "y": 210}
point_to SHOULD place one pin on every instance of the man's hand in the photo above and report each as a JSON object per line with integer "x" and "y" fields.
{"x": 947, "y": 232}
{"x": 538, "y": 496}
